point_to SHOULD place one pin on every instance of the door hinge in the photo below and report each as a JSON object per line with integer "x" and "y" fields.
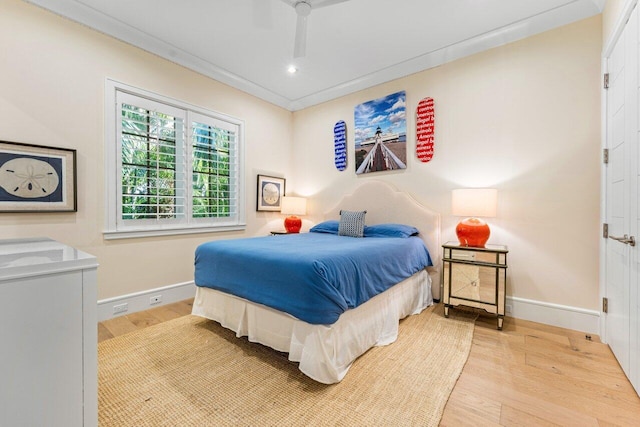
{"x": 605, "y": 230}
{"x": 605, "y": 156}
{"x": 605, "y": 80}
{"x": 605, "y": 305}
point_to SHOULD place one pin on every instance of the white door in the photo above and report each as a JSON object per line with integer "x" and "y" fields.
{"x": 622, "y": 257}
{"x": 633, "y": 127}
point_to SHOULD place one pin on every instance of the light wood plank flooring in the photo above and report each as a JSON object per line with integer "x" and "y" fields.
{"x": 528, "y": 374}
{"x": 131, "y": 322}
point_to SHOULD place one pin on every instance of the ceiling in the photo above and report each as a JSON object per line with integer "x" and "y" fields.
{"x": 351, "y": 45}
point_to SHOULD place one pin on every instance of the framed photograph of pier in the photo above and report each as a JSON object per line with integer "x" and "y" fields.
{"x": 381, "y": 134}
{"x": 270, "y": 192}
{"x": 36, "y": 178}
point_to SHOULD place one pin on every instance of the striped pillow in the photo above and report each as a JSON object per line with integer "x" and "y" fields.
{"x": 351, "y": 223}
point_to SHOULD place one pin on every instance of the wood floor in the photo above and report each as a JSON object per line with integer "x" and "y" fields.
{"x": 528, "y": 374}
{"x": 124, "y": 324}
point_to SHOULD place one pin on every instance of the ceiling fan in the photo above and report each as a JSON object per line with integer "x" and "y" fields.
{"x": 303, "y": 9}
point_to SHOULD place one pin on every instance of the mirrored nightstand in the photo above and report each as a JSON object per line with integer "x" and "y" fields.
{"x": 475, "y": 277}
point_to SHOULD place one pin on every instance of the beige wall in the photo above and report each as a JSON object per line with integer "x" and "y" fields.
{"x": 52, "y": 81}
{"x": 523, "y": 118}
{"x": 610, "y": 15}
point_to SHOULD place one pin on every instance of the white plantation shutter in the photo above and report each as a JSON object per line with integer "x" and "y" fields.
{"x": 177, "y": 168}
{"x": 152, "y": 161}
{"x": 215, "y": 167}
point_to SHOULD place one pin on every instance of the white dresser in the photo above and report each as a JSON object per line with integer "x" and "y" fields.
{"x": 48, "y": 335}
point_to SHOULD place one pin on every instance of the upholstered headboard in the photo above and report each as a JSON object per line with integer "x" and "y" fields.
{"x": 384, "y": 203}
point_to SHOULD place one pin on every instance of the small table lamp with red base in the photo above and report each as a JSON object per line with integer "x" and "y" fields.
{"x": 293, "y": 206}
{"x": 472, "y": 203}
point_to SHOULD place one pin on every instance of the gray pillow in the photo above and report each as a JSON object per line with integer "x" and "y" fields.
{"x": 351, "y": 223}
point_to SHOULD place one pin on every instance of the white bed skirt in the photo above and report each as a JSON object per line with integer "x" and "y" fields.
{"x": 325, "y": 352}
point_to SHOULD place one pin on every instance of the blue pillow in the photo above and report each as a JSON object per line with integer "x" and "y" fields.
{"x": 330, "y": 227}
{"x": 390, "y": 230}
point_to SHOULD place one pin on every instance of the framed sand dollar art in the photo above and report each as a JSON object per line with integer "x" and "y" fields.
{"x": 270, "y": 192}
{"x": 36, "y": 178}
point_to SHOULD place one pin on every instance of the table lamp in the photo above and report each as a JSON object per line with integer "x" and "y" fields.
{"x": 473, "y": 203}
{"x": 293, "y": 206}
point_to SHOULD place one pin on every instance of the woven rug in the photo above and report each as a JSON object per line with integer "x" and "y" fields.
{"x": 192, "y": 372}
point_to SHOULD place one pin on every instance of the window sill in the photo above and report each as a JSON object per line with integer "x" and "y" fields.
{"x": 134, "y": 234}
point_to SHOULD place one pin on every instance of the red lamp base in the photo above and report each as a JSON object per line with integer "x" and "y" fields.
{"x": 473, "y": 232}
{"x": 292, "y": 224}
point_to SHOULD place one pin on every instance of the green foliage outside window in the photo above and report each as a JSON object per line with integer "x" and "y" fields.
{"x": 211, "y": 184}
{"x": 151, "y": 168}
{"x": 148, "y": 164}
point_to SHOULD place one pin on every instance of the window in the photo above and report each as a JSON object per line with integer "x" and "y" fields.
{"x": 171, "y": 168}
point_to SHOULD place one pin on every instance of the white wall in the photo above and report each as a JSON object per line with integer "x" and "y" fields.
{"x": 523, "y": 118}
{"x": 52, "y": 81}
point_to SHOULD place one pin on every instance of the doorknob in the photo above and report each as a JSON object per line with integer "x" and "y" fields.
{"x": 627, "y": 240}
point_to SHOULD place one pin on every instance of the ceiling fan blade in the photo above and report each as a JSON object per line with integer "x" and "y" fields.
{"x": 322, "y": 3}
{"x": 300, "y": 44}
{"x": 314, "y": 3}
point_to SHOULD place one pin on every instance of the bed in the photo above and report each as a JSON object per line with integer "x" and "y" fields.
{"x": 326, "y": 333}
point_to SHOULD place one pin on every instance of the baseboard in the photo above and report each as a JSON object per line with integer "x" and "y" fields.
{"x": 563, "y": 316}
{"x": 141, "y": 301}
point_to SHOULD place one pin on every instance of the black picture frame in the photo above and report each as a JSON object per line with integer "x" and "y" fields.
{"x": 270, "y": 192}
{"x": 37, "y": 178}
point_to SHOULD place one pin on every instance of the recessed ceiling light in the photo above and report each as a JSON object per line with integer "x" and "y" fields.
{"x": 292, "y": 69}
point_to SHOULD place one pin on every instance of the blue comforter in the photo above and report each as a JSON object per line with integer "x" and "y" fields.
{"x": 315, "y": 277}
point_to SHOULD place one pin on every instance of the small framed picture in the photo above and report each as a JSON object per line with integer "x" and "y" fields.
{"x": 270, "y": 192}
{"x": 35, "y": 178}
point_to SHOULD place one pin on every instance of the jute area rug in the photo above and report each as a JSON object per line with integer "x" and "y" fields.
{"x": 192, "y": 372}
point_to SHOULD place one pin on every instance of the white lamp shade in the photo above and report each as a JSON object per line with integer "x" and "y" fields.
{"x": 474, "y": 202}
{"x": 293, "y": 206}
